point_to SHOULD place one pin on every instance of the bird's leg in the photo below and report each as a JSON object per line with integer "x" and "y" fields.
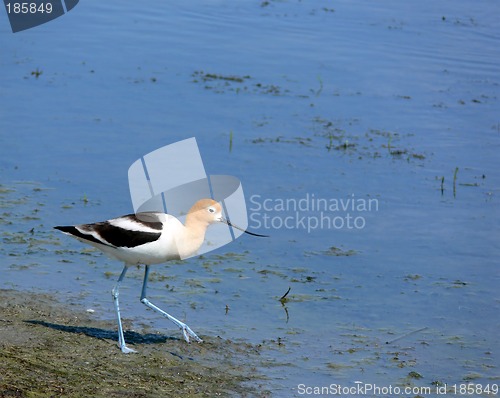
{"x": 116, "y": 292}
{"x": 186, "y": 330}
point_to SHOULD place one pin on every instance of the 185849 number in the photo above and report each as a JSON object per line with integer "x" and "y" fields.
{"x": 28, "y": 8}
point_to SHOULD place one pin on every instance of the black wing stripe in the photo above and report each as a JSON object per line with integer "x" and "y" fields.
{"x": 113, "y": 235}
{"x": 121, "y": 237}
{"x": 77, "y": 234}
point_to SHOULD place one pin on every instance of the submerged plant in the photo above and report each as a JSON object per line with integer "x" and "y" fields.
{"x": 330, "y": 144}
{"x": 318, "y": 92}
{"x": 455, "y": 182}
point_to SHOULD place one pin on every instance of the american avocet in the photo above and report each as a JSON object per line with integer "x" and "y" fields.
{"x": 150, "y": 238}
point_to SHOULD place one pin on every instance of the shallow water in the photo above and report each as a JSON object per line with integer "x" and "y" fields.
{"x": 343, "y": 101}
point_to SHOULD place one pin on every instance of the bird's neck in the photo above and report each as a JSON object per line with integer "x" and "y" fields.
{"x": 192, "y": 238}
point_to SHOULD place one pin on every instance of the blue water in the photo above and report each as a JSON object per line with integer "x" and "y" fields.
{"x": 339, "y": 100}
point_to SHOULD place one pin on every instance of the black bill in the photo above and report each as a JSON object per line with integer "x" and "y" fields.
{"x": 241, "y": 229}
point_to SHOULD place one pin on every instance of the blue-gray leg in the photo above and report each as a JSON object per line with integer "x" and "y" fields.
{"x": 116, "y": 292}
{"x": 186, "y": 330}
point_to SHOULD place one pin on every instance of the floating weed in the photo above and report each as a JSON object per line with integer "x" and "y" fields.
{"x": 219, "y": 83}
{"x": 300, "y": 298}
{"x": 472, "y": 376}
{"x": 294, "y": 332}
{"x": 271, "y": 272}
{"x": 415, "y": 375}
{"x": 196, "y": 283}
{"x": 231, "y": 256}
{"x": 398, "y": 152}
{"x": 335, "y": 251}
{"x": 208, "y": 264}
{"x": 345, "y": 146}
{"x": 233, "y": 270}
{"x": 299, "y": 270}
{"x": 364, "y": 144}
{"x": 303, "y": 280}
{"x": 37, "y": 73}
{"x": 269, "y": 89}
{"x": 159, "y": 277}
{"x": 88, "y": 251}
{"x": 452, "y": 340}
{"x": 14, "y": 202}
{"x": 109, "y": 274}
{"x": 412, "y": 277}
{"x": 5, "y": 190}
{"x": 457, "y": 283}
{"x": 469, "y": 184}
{"x": 359, "y": 338}
{"x": 35, "y": 242}
{"x": 418, "y": 156}
{"x": 213, "y": 76}
{"x": 306, "y": 141}
{"x": 30, "y": 218}
{"x": 22, "y": 267}
{"x": 338, "y": 366}
{"x": 15, "y": 238}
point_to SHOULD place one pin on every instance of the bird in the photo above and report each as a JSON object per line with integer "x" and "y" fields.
{"x": 150, "y": 238}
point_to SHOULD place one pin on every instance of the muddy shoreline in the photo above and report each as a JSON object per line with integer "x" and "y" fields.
{"x": 47, "y": 349}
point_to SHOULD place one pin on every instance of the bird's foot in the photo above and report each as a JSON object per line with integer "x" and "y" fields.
{"x": 187, "y": 332}
{"x": 126, "y": 350}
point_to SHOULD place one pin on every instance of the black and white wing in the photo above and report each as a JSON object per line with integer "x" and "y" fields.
{"x": 129, "y": 231}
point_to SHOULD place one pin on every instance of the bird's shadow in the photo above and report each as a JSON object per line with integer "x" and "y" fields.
{"x": 130, "y": 337}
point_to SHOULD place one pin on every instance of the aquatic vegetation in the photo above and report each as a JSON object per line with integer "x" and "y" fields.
{"x": 442, "y": 185}
{"x": 281, "y": 139}
{"x": 220, "y": 84}
{"x": 37, "y": 73}
{"x": 455, "y": 181}
{"x": 333, "y": 251}
{"x": 320, "y": 89}
{"x": 412, "y": 277}
{"x": 304, "y": 280}
{"x": 283, "y": 298}
{"x": 414, "y": 375}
